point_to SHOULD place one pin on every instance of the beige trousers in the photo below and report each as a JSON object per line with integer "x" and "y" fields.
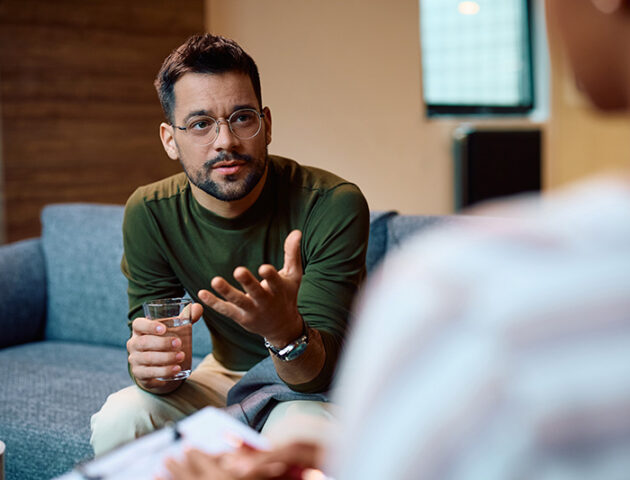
{"x": 132, "y": 412}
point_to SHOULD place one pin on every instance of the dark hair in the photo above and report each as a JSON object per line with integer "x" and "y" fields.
{"x": 203, "y": 54}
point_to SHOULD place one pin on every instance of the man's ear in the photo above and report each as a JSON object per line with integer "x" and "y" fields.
{"x": 267, "y": 120}
{"x": 168, "y": 141}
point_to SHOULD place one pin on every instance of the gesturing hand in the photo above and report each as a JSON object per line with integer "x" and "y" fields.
{"x": 268, "y": 307}
{"x": 288, "y": 462}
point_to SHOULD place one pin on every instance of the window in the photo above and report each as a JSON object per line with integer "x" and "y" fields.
{"x": 477, "y": 56}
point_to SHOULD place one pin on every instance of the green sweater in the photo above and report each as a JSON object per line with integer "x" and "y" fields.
{"x": 172, "y": 245}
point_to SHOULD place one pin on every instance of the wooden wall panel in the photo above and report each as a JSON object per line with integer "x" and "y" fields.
{"x": 79, "y": 112}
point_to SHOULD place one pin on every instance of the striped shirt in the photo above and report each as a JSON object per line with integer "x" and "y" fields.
{"x": 496, "y": 349}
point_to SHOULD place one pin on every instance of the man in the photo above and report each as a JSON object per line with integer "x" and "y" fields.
{"x": 511, "y": 353}
{"x": 272, "y": 252}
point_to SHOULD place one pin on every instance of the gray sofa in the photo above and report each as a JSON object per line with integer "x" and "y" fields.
{"x": 63, "y": 330}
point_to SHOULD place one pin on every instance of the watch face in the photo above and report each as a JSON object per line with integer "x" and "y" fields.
{"x": 291, "y": 351}
{"x": 295, "y": 352}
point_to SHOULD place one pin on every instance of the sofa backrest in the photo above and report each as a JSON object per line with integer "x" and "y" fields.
{"x": 377, "y": 242}
{"x": 87, "y": 292}
{"x": 390, "y": 230}
{"x": 87, "y": 299}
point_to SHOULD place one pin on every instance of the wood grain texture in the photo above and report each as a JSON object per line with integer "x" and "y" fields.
{"x": 80, "y": 115}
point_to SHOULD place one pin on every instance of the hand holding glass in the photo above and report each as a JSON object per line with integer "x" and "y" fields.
{"x": 174, "y": 314}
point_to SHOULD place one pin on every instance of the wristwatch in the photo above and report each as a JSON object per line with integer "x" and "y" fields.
{"x": 293, "y": 350}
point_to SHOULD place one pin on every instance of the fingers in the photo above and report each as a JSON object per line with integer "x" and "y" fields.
{"x": 292, "y": 257}
{"x": 254, "y": 290}
{"x": 221, "y": 306}
{"x": 148, "y": 336}
{"x": 272, "y": 281}
{"x": 261, "y": 292}
{"x": 196, "y": 465}
{"x": 246, "y": 463}
{"x": 179, "y": 471}
{"x": 267, "y": 306}
{"x": 145, "y": 373}
{"x": 202, "y": 462}
{"x": 292, "y": 268}
{"x": 147, "y": 362}
{"x": 250, "y": 284}
{"x": 245, "y": 301}
{"x": 150, "y": 357}
{"x": 144, "y": 326}
{"x": 152, "y": 353}
{"x": 303, "y": 454}
{"x": 196, "y": 311}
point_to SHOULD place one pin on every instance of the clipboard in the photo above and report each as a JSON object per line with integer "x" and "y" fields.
{"x": 210, "y": 430}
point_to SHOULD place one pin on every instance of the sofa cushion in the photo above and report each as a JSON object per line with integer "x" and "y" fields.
{"x": 49, "y": 392}
{"x": 87, "y": 300}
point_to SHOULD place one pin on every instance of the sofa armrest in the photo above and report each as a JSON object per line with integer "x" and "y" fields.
{"x": 23, "y": 287}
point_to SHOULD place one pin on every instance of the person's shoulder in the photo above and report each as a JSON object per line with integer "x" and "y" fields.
{"x": 311, "y": 178}
{"x": 164, "y": 189}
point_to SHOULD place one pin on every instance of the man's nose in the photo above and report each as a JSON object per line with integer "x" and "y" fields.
{"x": 225, "y": 138}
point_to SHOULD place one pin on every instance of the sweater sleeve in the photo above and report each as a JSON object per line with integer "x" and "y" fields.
{"x": 148, "y": 272}
{"x": 334, "y": 247}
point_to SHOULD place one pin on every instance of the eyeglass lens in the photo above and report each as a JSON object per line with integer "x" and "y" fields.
{"x": 244, "y": 124}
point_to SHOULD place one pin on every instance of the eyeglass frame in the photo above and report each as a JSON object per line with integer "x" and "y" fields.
{"x": 227, "y": 120}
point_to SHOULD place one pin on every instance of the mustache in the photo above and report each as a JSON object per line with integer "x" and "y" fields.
{"x": 225, "y": 157}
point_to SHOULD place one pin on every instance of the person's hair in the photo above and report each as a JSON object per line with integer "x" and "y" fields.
{"x": 212, "y": 54}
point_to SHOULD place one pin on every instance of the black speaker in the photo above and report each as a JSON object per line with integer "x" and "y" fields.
{"x": 495, "y": 163}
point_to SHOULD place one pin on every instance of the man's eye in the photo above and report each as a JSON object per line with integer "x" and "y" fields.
{"x": 199, "y": 125}
{"x": 243, "y": 117}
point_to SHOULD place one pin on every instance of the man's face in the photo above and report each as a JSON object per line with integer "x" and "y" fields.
{"x": 230, "y": 167}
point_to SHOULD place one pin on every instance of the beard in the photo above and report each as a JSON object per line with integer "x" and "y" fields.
{"x": 232, "y": 188}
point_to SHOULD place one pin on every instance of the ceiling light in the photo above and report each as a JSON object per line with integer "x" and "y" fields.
{"x": 468, "y": 8}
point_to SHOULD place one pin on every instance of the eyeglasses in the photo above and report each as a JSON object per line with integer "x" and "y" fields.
{"x": 244, "y": 123}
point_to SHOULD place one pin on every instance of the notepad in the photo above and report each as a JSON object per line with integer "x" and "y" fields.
{"x": 210, "y": 430}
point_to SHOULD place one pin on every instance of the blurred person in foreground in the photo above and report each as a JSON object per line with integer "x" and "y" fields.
{"x": 510, "y": 356}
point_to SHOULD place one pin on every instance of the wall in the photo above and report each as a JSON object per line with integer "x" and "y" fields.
{"x": 343, "y": 81}
{"x": 79, "y": 112}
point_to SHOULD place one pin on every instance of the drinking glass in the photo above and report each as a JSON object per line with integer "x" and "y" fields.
{"x": 174, "y": 313}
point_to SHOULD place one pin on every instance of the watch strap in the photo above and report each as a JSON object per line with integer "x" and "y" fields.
{"x": 293, "y": 349}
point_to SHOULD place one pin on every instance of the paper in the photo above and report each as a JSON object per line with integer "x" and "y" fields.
{"x": 210, "y": 430}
